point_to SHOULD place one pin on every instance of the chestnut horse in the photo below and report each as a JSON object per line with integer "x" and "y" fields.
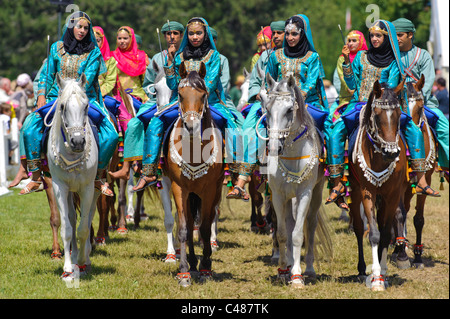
{"x": 197, "y": 182}
{"x": 379, "y": 179}
{"x": 416, "y": 108}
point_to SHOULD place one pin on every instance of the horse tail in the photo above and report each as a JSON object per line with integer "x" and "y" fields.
{"x": 195, "y": 203}
{"x": 323, "y": 245}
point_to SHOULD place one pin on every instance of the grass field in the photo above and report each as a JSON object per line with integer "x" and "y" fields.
{"x": 130, "y": 266}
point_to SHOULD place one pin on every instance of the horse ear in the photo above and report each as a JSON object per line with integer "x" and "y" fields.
{"x": 202, "y": 71}
{"x": 419, "y": 85}
{"x": 83, "y": 80}
{"x": 291, "y": 81}
{"x": 61, "y": 83}
{"x": 155, "y": 66}
{"x": 270, "y": 81}
{"x": 377, "y": 89}
{"x": 400, "y": 86}
{"x": 182, "y": 71}
{"x": 245, "y": 72}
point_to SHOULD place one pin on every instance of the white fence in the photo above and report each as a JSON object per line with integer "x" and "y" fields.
{"x": 7, "y": 171}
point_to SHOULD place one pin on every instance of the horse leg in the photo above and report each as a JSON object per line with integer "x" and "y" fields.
{"x": 419, "y": 222}
{"x": 257, "y": 220}
{"x": 193, "y": 206}
{"x": 275, "y": 246}
{"x": 356, "y": 212}
{"x": 84, "y": 227}
{"x": 122, "y": 223}
{"x": 280, "y": 209}
{"x": 130, "y": 195}
{"x": 102, "y": 208}
{"x": 214, "y": 244}
{"x": 399, "y": 254}
{"x": 208, "y": 214}
{"x": 55, "y": 219}
{"x": 169, "y": 221}
{"x": 61, "y": 194}
{"x": 137, "y": 209}
{"x": 184, "y": 277}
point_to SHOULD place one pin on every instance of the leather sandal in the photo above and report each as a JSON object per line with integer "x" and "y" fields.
{"x": 423, "y": 191}
{"x": 104, "y": 188}
{"x": 241, "y": 194}
{"x": 28, "y": 190}
{"x": 339, "y": 194}
{"x": 147, "y": 184}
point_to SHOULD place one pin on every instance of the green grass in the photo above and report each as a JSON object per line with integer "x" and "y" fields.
{"x": 130, "y": 266}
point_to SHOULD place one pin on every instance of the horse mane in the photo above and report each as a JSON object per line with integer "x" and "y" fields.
{"x": 302, "y": 112}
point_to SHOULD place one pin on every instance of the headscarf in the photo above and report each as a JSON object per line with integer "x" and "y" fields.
{"x": 71, "y": 44}
{"x": 23, "y": 79}
{"x": 382, "y": 56}
{"x": 106, "y": 51}
{"x": 176, "y": 26}
{"x": 130, "y": 61}
{"x": 214, "y": 33}
{"x": 362, "y": 43}
{"x": 189, "y": 51}
{"x": 264, "y": 37}
{"x": 302, "y": 47}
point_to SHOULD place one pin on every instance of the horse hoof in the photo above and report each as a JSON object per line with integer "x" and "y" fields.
{"x": 56, "y": 255}
{"x": 122, "y": 230}
{"x": 205, "y": 275}
{"x": 113, "y": 228}
{"x": 100, "y": 241}
{"x": 214, "y": 246}
{"x": 403, "y": 264}
{"x": 184, "y": 279}
{"x": 419, "y": 265}
{"x": 297, "y": 282}
{"x": 376, "y": 283}
{"x": 170, "y": 259}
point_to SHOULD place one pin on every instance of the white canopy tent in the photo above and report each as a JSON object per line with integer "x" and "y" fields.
{"x": 439, "y": 36}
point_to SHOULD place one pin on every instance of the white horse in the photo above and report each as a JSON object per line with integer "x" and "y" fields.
{"x": 72, "y": 159}
{"x": 295, "y": 176}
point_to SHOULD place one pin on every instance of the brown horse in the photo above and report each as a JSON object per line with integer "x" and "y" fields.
{"x": 197, "y": 182}
{"x": 378, "y": 177}
{"x": 416, "y": 107}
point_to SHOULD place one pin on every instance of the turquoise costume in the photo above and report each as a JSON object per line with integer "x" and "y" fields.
{"x": 360, "y": 76}
{"x": 158, "y": 124}
{"x": 417, "y": 62}
{"x": 70, "y": 66}
{"x": 308, "y": 73}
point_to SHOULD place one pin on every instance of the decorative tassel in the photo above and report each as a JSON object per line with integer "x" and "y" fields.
{"x": 349, "y": 200}
{"x": 413, "y": 190}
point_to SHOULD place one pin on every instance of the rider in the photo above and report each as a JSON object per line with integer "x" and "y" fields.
{"x": 106, "y": 80}
{"x": 134, "y": 139}
{"x": 417, "y": 62}
{"x": 197, "y": 46}
{"x": 381, "y": 62}
{"x": 76, "y": 53}
{"x": 299, "y": 58}
{"x": 264, "y": 43}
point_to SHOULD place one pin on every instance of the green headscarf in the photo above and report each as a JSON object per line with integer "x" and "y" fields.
{"x": 277, "y": 26}
{"x": 175, "y": 26}
{"x": 404, "y": 25}
{"x": 213, "y": 33}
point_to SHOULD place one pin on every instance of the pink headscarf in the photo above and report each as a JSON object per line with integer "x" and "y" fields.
{"x": 105, "y": 50}
{"x": 362, "y": 43}
{"x": 131, "y": 61}
{"x": 264, "y": 36}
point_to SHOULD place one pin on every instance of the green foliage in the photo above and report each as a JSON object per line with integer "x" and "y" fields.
{"x": 24, "y": 25}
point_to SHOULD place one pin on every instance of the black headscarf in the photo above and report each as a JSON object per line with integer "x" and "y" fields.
{"x": 71, "y": 44}
{"x": 382, "y": 56}
{"x": 302, "y": 46}
{"x": 191, "y": 52}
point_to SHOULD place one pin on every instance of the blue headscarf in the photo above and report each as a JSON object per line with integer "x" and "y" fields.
{"x": 388, "y": 51}
{"x": 88, "y": 44}
{"x": 189, "y": 51}
{"x": 309, "y": 37}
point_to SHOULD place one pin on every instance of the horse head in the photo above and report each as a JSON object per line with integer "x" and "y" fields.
{"x": 73, "y": 105}
{"x": 416, "y": 100}
{"x": 286, "y": 113}
{"x": 161, "y": 90}
{"x": 381, "y": 118}
{"x": 192, "y": 97}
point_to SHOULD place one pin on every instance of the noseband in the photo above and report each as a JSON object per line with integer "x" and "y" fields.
{"x": 191, "y": 115}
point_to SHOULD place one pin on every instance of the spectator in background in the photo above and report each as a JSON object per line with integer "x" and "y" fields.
{"x": 5, "y": 89}
{"x": 441, "y": 95}
{"x": 19, "y": 99}
{"x": 235, "y": 91}
{"x": 5, "y": 117}
{"x": 331, "y": 92}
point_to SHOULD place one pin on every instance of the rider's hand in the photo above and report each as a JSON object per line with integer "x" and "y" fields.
{"x": 346, "y": 53}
